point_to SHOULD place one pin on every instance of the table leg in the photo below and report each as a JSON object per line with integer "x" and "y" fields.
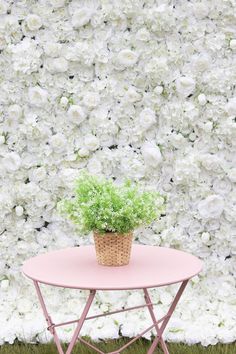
{"x": 51, "y": 327}
{"x": 48, "y": 319}
{"x": 150, "y": 308}
{"x": 81, "y": 321}
{"x": 166, "y": 320}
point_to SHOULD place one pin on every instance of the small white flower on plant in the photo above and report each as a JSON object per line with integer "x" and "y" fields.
{"x": 14, "y": 111}
{"x": 58, "y": 142}
{"x": 37, "y": 96}
{"x": 76, "y": 114}
{"x": 211, "y": 207}
{"x": 34, "y": 22}
{"x": 57, "y": 65}
{"x": 127, "y": 57}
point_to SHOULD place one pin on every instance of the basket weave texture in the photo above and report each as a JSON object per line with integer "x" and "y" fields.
{"x": 113, "y": 249}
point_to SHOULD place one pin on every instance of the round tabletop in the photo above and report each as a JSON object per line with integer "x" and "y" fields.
{"x": 77, "y": 267}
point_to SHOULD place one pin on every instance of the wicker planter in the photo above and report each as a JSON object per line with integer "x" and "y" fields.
{"x": 113, "y": 249}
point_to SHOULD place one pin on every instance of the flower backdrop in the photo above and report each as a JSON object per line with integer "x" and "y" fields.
{"x": 139, "y": 89}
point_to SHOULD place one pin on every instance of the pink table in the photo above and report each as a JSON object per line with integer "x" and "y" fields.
{"x": 77, "y": 268}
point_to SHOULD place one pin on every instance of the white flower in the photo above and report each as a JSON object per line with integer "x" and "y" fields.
{"x": 34, "y": 22}
{"x": 5, "y": 284}
{"x": 2, "y": 139}
{"x": 132, "y": 95}
{"x": 81, "y": 17}
{"x": 143, "y": 35}
{"x": 53, "y": 49}
{"x": 37, "y": 96}
{"x": 185, "y": 85}
{"x": 91, "y": 142}
{"x": 58, "y": 142}
{"x": 147, "y": 118}
{"x": 202, "y": 99}
{"x": 57, "y": 3}
{"x": 127, "y": 57}
{"x": 231, "y": 106}
{"x": 201, "y": 9}
{"x": 11, "y": 161}
{"x": 38, "y": 174}
{"x": 76, "y": 114}
{"x": 94, "y": 166}
{"x": 211, "y": 207}
{"x": 64, "y": 102}
{"x": 19, "y": 210}
{"x": 57, "y": 65}
{"x": 83, "y": 152}
{"x": 14, "y": 111}
{"x": 3, "y": 7}
{"x": 158, "y": 90}
{"x": 151, "y": 154}
{"x": 91, "y": 99}
{"x": 232, "y": 174}
{"x": 233, "y": 44}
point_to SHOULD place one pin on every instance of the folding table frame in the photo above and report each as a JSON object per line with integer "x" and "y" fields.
{"x": 159, "y": 329}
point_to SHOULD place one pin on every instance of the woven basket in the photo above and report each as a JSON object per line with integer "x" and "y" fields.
{"x": 113, "y": 249}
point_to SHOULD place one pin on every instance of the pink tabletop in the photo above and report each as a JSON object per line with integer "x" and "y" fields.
{"x": 77, "y": 267}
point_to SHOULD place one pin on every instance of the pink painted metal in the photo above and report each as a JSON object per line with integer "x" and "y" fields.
{"x": 149, "y": 266}
{"x": 77, "y": 268}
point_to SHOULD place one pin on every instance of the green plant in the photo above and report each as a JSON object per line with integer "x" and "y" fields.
{"x": 103, "y": 206}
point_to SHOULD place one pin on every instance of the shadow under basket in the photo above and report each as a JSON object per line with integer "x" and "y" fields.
{"x": 113, "y": 249}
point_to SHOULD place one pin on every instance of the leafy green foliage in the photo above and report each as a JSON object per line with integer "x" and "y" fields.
{"x": 103, "y": 206}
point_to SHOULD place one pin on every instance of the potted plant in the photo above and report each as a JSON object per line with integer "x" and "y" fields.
{"x": 112, "y": 212}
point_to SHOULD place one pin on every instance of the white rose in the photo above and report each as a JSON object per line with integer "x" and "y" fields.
{"x": 91, "y": 142}
{"x": 147, "y": 118}
{"x": 151, "y": 154}
{"x": 37, "y": 96}
{"x": 91, "y": 99}
{"x": 202, "y": 99}
{"x": 57, "y": 65}
{"x": 211, "y": 207}
{"x": 81, "y": 17}
{"x": 201, "y": 9}
{"x": 232, "y": 174}
{"x": 158, "y": 90}
{"x": 5, "y": 284}
{"x": 34, "y": 22}
{"x": 38, "y": 174}
{"x": 52, "y": 49}
{"x": 221, "y": 186}
{"x": 76, "y": 114}
{"x": 19, "y": 210}
{"x": 64, "y": 102}
{"x": 127, "y": 57}
{"x": 205, "y": 237}
{"x": 143, "y": 35}
{"x": 201, "y": 62}
{"x": 14, "y": 111}
{"x": 94, "y": 166}
{"x": 231, "y": 106}
{"x": 58, "y": 142}
{"x": 83, "y": 152}
{"x": 57, "y": 3}
{"x": 132, "y": 95}
{"x": 185, "y": 85}
{"x": 233, "y": 44}
{"x": 11, "y": 161}
{"x": 3, "y": 7}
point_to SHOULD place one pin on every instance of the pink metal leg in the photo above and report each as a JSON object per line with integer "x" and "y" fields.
{"x": 167, "y": 317}
{"x": 150, "y": 308}
{"x": 48, "y": 319}
{"x": 81, "y": 321}
{"x": 164, "y": 320}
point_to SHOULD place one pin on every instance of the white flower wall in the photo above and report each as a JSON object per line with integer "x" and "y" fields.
{"x": 139, "y": 89}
